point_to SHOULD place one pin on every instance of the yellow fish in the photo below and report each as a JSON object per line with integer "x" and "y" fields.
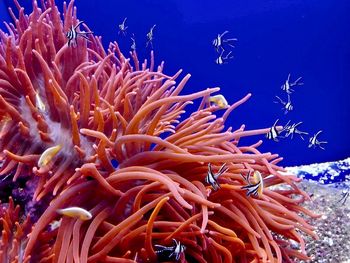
{"x": 219, "y": 100}
{"x": 75, "y": 212}
{"x": 5, "y": 124}
{"x": 39, "y": 102}
{"x": 48, "y": 154}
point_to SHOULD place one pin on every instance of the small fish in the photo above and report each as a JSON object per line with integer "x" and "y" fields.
{"x": 223, "y": 60}
{"x": 39, "y": 103}
{"x": 72, "y": 35}
{"x": 150, "y": 36}
{"x": 219, "y": 41}
{"x": 55, "y": 224}
{"x": 313, "y": 142}
{"x": 5, "y": 117}
{"x": 48, "y": 154}
{"x": 133, "y": 43}
{"x": 287, "y": 105}
{"x": 274, "y": 133}
{"x": 255, "y": 188}
{"x": 173, "y": 251}
{"x": 219, "y": 100}
{"x": 287, "y": 86}
{"x": 212, "y": 178}
{"x": 292, "y": 129}
{"x": 122, "y": 27}
{"x": 345, "y": 195}
{"x": 76, "y": 212}
{"x": 5, "y": 123}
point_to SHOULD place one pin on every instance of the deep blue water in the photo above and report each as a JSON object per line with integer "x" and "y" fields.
{"x": 306, "y": 38}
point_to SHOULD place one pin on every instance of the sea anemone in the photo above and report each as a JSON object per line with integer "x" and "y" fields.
{"x": 89, "y": 128}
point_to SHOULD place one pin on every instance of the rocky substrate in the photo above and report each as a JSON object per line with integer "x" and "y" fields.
{"x": 333, "y": 226}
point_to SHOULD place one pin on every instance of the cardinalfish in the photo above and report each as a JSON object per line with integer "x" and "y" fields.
{"x": 48, "y": 155}
{"x": 72, "y": 35}
{"x": 75, "y": 212}
{"x": 123, "y": 27}
{"x": 223, "y": 59}
{"x": 345, "y": 195}
{"x": 287, "y": 105}
{"x": 212, "y": 178}
{"x": 255, "y": 188}
{"x": 133, "y": 43}
{"x": 173, "y": 251}
{"x": 274, "y": 133}
{"x": 313, "y": 142}
{"x": 219, "y": 100}
{"x": 292, "y": 129}
{"x": 150, "y": 36}
{"x": 287, "y": 86}
{"x": 220, "y": 41}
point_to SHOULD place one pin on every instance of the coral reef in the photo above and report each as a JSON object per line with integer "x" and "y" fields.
{"x": 85, "y": 127}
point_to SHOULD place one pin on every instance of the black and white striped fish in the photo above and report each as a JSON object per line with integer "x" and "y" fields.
{"x": 150, "y": 37}
{"x": 172, "y": 251}
{"x": 133, "y": 43}
{"x": 212, "y": 178}
{"x": 256, "y": 188}
{"x": 292, "y": 129}
{"x": 219, "y": 42}
{"x": 287, "y": 86}
{"x": 313, "y": 142}
{"x": 345, "y": 195}
{"x": 123, "y": 27}
{"x": 287, "y": 105}
{"x": 72, "y": 35}
{"x": 274, "y": 133}
{"x": 223, "y": 59}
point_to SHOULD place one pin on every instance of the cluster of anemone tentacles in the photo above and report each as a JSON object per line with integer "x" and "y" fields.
{"x": 99, "y": 106}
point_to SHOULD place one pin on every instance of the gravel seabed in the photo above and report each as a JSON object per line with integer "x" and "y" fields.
{"x": 333, "y": 226}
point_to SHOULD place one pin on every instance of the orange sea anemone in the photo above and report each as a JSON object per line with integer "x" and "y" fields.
{"x": 84, "y": 127}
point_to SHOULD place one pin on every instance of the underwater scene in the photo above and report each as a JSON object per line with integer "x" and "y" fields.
{"x": 174, "y": 131}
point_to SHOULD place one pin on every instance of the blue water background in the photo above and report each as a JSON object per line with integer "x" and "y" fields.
{"x": 306, "y": 38}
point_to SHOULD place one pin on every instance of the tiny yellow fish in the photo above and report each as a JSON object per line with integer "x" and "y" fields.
{"x": 55, "y": 224}
{"x": 5, "y": 124}
{"x": 255, "y": 188}
{"x": 76, "y": 212}
{"x": 48, "y": 154}
{"x": 39, "y": 103}
{"x": 219, "y": 100}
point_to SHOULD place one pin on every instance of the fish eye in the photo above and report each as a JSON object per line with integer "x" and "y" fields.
{"x": 87, "y": 217}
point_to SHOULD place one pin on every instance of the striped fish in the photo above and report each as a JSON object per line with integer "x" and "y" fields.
{"x": 287, "y": 86}
{"x": 255, "y": 188}
{"x": 219, "y": 41}
{"x": 72, "y": 35}
{"x": 274, "y": 133}
{"x": 292, "y": 129}
{"x": 287, "y": 105}
{"x": 223, "y": 59}
{"x": 313, "y": 142}
{"x": 173, "y": 251}
{"x": 212, "y": 178}
{"x": 123, "y": 27}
